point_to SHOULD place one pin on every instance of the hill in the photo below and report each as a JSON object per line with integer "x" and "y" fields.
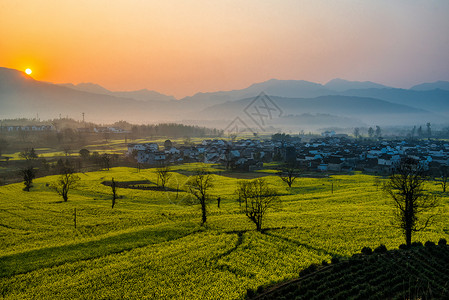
{"x": 416, "y": 273}
{"x": 151, "y": 244}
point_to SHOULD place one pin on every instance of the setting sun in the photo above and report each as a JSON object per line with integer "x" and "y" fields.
{"x": 28, "y": 71}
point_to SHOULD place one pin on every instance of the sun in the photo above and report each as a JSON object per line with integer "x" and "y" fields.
{"x": 28, "y": 71}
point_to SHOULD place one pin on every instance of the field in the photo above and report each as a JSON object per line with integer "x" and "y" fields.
{"x": 151, "y": 244}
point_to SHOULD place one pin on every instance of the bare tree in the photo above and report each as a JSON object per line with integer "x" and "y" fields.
{"x": 406, "y": 187}
{"x": 114, "y": 191}
{"x": 67, "y": 180}
{"x": 257, "y": 198}
{"x": 163, "y": 175}
{"x": 199, "y": 186}
{"x": 28, "y": 154}
{"x": 288, "y": 175}
{"x": 29, "y": 174}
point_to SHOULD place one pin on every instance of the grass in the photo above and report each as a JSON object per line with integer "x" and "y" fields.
{"x": 152, "y": 245}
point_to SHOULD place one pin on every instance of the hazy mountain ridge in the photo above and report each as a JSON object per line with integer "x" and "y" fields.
{"x": 363, "y": 109}
{"x": 442, "y": 85}
{"x": 141, "y": 95}
{"x": 22, "y": 96}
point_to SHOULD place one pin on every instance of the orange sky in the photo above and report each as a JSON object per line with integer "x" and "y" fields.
{"x": 183, "y": 47}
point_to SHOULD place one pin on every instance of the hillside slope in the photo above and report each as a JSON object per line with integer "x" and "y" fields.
{"x": 416, "y": 273}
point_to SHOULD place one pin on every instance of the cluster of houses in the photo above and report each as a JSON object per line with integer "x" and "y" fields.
{"x": 28, "y": 128}
{"x": 52, "y": 128}
{"x": 329, "y": 153}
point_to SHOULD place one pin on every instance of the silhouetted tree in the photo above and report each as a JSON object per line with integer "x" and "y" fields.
{"x": 288, "y": 175}
{"x": 406, "y": 187}
{"x": 378, "y": 132}
{"x": 163, "y": 175}
{"x": 84, "y": 153}
{"x": 168, "y": 144}
{"x": 28, "y": 154}
{"x": 370, "y": 132}
{"x": 199, "y": 186}
{"x": 106, "y": 160}
{"x": 429, "y": 130}
{"x": 420, "y": 133}
{"x": 29, "y": 174}
{"x": 356, "y": 132}
{"x": 67, "y": 180}
{"x": 257, "y": 198}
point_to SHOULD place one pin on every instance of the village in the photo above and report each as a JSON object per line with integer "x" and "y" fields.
{"x": 327, "y": 153}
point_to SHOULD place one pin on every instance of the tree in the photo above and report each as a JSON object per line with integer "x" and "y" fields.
{"x": 420, "y": 134}
{"x": 114, "y": 191}
{"x": 356, "y": 132}
{"x": 406, "y": 187}
{"x": 28, "y": 154}
{"x": 67, "y": 180}
{"x": 288, "y": 175}
{"x": 84, "y": 153}
{"x": 199, "y": 186}
{"x": 29, "y": 174}
{"x": 370, "y": 132}
{"x": 168, "y": 144}
{"x": 106, "y": 160}
{"x": 257, "y": 198}
{"x": 378, "y": 132}
{"x": 163, "y": 175}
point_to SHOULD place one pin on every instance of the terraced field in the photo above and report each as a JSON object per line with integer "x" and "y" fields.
{"x": 151, "y": 244}
{"x": 416, "y": 273}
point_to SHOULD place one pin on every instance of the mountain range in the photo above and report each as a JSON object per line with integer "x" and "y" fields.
{"x": 298, "y": 103}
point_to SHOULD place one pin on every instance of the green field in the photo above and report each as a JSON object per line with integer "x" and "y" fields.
{"x": 151, "y": 244}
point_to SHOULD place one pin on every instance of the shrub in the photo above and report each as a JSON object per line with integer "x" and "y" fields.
{"x": 367, "y": 251}
{"x": 250, "y": 293}
{"x": 417, "y": 244}
{"x": 403, "y": 247}
{"x": 324, "y": 262}
{"x": 429, "y": 244}
{"x": 310, "y": 269}
{"x": 442, "y": 242}
{"x": 381, "y": 249}
{"x": 335, "y": 260}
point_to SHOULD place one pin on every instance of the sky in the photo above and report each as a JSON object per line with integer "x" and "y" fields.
{"x": 181, "y": 47}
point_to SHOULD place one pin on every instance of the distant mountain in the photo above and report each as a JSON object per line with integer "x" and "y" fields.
{"x": 22, "y": 96}
{"x": 367, "y": 110}
{"x": 436, "y": 101}
{"x": 341, "y": 85}
{"x": 442, "y": 85}
{"x": 302, "y": 103}
{"x": 283, "y": 88}
{"x": 141, "y": 95}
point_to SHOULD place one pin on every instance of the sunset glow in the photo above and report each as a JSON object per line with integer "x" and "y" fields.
{"x": 183, "y": 47}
